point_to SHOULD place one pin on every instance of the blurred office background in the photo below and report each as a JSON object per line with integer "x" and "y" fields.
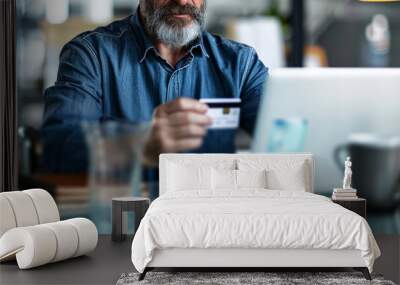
{"x": 326, "y": 33}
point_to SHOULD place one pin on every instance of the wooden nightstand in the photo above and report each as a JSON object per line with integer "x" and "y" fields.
{"x": 358, "y": 206}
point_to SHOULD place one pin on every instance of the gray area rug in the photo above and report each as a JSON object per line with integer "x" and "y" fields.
{"x": 243, "y": 278}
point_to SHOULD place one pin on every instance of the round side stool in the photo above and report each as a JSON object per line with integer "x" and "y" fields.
{"x": 137, "y": 205}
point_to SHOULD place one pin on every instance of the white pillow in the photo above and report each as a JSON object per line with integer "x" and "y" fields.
{"x": 251, "y": 178}
{"x": 282, "y": 174}
{"x": 183, "y": 178}
{"x": 199, "y": 161}
{"x": 292, "y": 179}
{"x": 223, "y": 179}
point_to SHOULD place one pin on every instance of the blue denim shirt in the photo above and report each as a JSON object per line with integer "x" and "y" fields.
{"x": 116, "y": 73}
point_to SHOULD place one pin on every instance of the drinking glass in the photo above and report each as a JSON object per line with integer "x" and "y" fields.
{"x": 115, "y": 155}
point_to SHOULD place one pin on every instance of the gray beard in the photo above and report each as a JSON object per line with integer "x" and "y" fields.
{"x": 174, "y": 35}
{"x": 178, "y": 37}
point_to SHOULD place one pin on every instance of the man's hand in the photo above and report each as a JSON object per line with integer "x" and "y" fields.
{"x": 179, "y": 125}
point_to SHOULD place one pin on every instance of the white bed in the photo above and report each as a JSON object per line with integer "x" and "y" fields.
{"x": 200, "y": 223}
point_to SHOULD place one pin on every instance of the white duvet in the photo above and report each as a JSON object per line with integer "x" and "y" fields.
{"x": 250, "y": 219}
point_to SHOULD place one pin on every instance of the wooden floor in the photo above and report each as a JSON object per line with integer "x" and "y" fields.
{"x": 389, "y": 262}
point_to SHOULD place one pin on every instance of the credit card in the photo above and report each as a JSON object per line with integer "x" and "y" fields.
{"x": 225, "y": 112}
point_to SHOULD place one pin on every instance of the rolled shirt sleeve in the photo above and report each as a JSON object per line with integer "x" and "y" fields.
{"x": 253, "y": 88}
{"x": 75, "y": 97}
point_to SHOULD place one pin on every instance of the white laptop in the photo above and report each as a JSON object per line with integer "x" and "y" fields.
{"x": 336, "y": 102}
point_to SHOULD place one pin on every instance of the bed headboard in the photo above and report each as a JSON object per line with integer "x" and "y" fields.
{"x": 234, "y": 160}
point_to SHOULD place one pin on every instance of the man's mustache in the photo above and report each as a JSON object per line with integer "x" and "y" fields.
{"x": 174, "y": 9}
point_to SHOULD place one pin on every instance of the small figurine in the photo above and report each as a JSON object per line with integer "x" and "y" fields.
{"x": 347, "y": 174}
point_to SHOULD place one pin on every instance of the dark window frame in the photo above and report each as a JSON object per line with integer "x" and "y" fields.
{"x": 8, "y": 97}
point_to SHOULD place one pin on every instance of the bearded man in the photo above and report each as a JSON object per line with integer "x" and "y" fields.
{"x": 152, "y": 66}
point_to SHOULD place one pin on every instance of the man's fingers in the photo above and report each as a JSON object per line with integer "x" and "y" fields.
{"x": 188, "y": 144}
{"x": 185, "y": 104}
{"x": 185, "y": 118}
{"x": 177, "y": 126}
{"x": 190, "y": 131}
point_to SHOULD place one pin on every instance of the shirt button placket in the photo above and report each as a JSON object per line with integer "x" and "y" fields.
{"x": 170, "y": 88}
{"x": 177, "y": 93}
{"x": 173, "y": 83}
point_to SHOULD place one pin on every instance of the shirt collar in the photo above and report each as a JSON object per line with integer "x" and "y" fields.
{"x": 146, "y": 44}
{"x": 199, "y": 43}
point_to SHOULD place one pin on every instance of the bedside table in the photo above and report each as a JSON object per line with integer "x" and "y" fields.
{"x": 137, "y": 205}
{"x": 358, "y": 206}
